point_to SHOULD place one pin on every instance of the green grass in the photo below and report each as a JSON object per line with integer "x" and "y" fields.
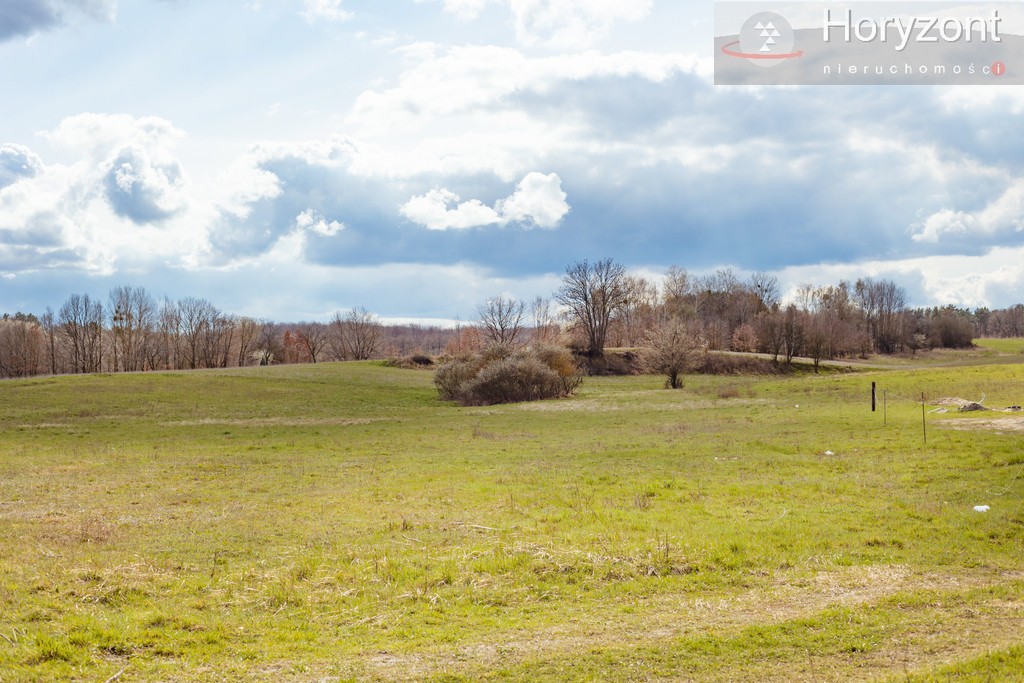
{"x": 1010, "y": 346}
{"x": 339, "y": 521}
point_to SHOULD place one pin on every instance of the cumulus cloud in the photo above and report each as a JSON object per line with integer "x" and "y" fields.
{"x": 538, "y": 201}
{"x": 1002, "y": 215}
{"x": 123, "y": 195}
{"x": 325, "y": 9}
{"x": 141, "y": 177}
{"x": 433, "y": 211}
{"x": 17, "y": 162}
{"x": 142, "y": 188}
{"x": 487, "y": 109}
{"x": 27, "y": 17}
{"x": 311, "y": 221}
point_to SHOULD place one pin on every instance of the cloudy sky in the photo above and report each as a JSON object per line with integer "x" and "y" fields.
{"x": 289, "y": 158}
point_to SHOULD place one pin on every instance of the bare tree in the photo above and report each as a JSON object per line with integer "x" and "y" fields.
{"x": 769, "y": 330}
{"x": 792, "y": 331}
{"x": 883, "y": 303}
{"x": 50, "y": 332}
{"x": 197, "y": 319}
{"x": 674, "y": 348}
{"x": 765, "y": 287}
{"x": 637, "y": 313}
{"x": 81, "y": 324}
{"x": 269, "y": 348}
{"x": 313, "y": 337}
{"x": 22, "y": 349}
{"x": 501, "y": 319}
{"x": 216, "y": 340}
{"x": 132, "y": 320}
{"x": 169, "y": 334}
{"x": 357, "y": 334}
{"x": 248, "y": 330}
{"x": 593, "y": 294}
{"x": 545, "y": 330}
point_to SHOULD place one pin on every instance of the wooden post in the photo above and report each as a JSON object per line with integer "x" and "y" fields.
{"x": 924, "y": 425}
{"x": 872, "y": 397}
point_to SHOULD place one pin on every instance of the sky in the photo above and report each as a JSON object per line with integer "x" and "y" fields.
{"x": 286, "y": 159}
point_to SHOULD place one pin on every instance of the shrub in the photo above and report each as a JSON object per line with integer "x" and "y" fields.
{"x": 501, "y": 374}
{"x": 674, "y": 349}
{"x": 415, "y": 361}
{"x": 951, "y": 332}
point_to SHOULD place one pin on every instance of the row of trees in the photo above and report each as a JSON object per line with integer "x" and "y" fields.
{"x": 603, "y": 305}
{"x": 599, "y": 304}
{"x": 132, "y": 331}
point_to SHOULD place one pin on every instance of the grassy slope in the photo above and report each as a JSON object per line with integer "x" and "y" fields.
{"x": 338, "y": 520}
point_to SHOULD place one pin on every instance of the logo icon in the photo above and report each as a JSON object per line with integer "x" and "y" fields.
{"x": 766, "y": 39}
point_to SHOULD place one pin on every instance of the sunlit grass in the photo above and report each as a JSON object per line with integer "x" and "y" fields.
{"x": 339, "y": 520}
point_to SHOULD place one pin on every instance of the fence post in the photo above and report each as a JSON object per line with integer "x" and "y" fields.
{"x": 872, "y": 397}
{"x": 924, "y": 425}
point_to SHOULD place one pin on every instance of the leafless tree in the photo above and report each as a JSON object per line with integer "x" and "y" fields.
{"x": 216, "y": 340}
{"x": 883, "y": 303}
{"x": 545, "y": 329}
{"x": 313, "y": 337}
{"x": 54, "y": 359}
{"x": 792, "y": 331}
{"x": 22, "y": 349}
{"x": 133, "y": 315}
{"x": 593, "y": 293}
{"x": 765, "y": 288}
{"x": 678, "y": 293}
{"x": 169, "y": 334}
{"x": 81, "y": 324}
{"x": 637, "y": 313}
{"x": 769, "y": 330}
{"x": 269, "y": 347}
{"x": 674, "y": 348}
{"x": 197, "y": 318}
{"x": 356, "y": 334}
{"x": 501, "y": 319}
{"x": 248, "y": 329}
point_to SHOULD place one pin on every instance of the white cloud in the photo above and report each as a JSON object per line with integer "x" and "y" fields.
{"x": 325, "y": 9}
{"x": 537, "y": 201}
{"x": 312, "y": 221}
{"x": 1001, "y": 215}
{"x": 17, "y": 162}
{"x": 572, "y": 23}
{"x": 432, "y": 211}
{"x": 465, "y": 10}
{"x": 481, "y": 109}
{"x": 124, "y": 195}
{"x": 993, "y": 279}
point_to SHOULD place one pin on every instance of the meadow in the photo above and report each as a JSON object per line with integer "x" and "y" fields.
{"x": 338, "y": 521}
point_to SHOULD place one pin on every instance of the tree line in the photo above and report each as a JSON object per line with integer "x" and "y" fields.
{"x": 599, "y": 304}
{"x": 133, "y": 331}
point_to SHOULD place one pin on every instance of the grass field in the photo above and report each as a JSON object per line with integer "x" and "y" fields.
{"x": 1010, "y": 346}
{"x": 339, "y": 522}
